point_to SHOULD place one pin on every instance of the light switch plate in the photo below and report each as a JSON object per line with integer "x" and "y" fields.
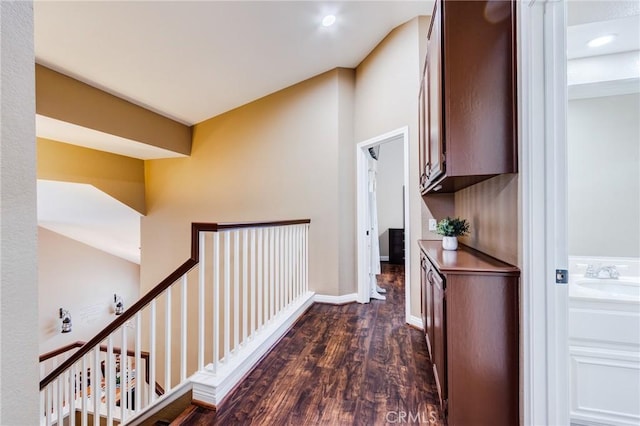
{"x": 432, "y": 224}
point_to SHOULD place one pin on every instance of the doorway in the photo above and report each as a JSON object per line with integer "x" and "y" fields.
{"x": 603, "y": 192}
{"x": 555, "y": 258}
{"x": 401, "y": 137}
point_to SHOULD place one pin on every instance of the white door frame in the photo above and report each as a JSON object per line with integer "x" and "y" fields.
{"x": 542, "y": 134}
{"x": 401, "y": 134}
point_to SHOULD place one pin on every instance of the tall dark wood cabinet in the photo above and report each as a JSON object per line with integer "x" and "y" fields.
{"x": 468, "y": 133}
{"x": 396, "y": 246}
{"x": 468, "y": 95}
{"x": 470, "y": 308}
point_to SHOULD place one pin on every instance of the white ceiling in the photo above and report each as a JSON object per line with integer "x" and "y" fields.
{"x": 86, "y": 214}
{"x": 585, "y": 11}
{"x": 626, "y": 30}
{"x": 189, "y": 61}
{"x": 194, "y": 60}
{"x": 594, "y": 71}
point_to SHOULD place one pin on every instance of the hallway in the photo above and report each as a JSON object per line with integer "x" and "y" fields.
{"x": 353, "y": 364}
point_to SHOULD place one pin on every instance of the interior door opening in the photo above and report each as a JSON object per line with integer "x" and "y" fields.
{"x": 382, "y": 232}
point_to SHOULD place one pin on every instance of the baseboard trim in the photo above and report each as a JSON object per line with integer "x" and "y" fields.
{"x": 384, "y": 258}
{"x": 336, "y": 300}
{"x": 416, "y": 322}
{"x": 211, "y": 387}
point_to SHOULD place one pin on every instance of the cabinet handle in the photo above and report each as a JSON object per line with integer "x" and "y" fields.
{"x": 423, "y": 178}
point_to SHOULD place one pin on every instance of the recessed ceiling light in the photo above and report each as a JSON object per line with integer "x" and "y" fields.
{"x": 601, "y": 41}
{"x": 328, "y": 20}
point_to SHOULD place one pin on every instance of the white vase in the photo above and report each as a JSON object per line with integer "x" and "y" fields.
{"x": 450, "y": 243}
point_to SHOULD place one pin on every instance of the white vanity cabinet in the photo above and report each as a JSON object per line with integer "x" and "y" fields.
{"x": 604, "y": 350}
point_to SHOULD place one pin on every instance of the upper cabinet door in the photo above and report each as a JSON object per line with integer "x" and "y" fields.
{"x": 435, "y": 136}
{"x": 422, "y": 132}
{"x": 470, "y": 94}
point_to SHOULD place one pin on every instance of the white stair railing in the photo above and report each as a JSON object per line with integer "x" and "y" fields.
{"x": 239, "y": 279}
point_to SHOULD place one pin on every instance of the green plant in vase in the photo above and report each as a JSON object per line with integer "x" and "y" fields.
{"x": 451, "y": 228}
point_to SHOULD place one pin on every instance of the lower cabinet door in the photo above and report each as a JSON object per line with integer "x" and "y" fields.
{"x": 425, "y": 302}
{"x": 439, "y": 343}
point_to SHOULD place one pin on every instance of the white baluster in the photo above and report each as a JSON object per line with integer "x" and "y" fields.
{"x": 287, "y": 262}
{"x": 215, "y": 270}
{"x": 72, "y": 395}
{"x": 96, "y": 386}
{"x": 52, "y": 391}
{"x": 216, "y": 300}
{"x": 42, "y": 404}
{"x": 236, "y": 289}
{"x": 254, "y": 323}
{"x": 294, "y": 263}
{"x": 296, "y": 258}
{"x": 260, "y": 275}
{"x": 299, "y": 260}
{"x": 306, "y": 259}
{"x": 183, "y": 331}
{"x": 167, "y": 342}
{"x": 283, "y": 269}
{"x": 278, "y": 263}
{"x": 65, "y": 383}
{"x": 227, "y": 295}
{"x": 201, "y": 281}
{"x": 110, "y": 379}
{"x": 84, "y": 389}
{"x": 124, "y": 375}
{"x": 138, "y": 363}
{"x": 245, "y": 284}
{"x": 272, "y": 273}
{"x": 47, "y": 404}
{"x": 152, "y": 351}
{"x": 59, "y": 397}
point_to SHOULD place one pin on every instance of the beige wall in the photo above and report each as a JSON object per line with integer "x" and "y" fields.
{"x": 390, "y": 181}
{"x": 119, "y": 176}
{"x": 346, "y": 182}
{"x": 291, "y": 155}
{"x": 67, "y": 99}
{"x": 604, "y": 176}
{"x": 275, "y": 158}
{"x": 387, "y": 85}
{"x": 81, "y": 279}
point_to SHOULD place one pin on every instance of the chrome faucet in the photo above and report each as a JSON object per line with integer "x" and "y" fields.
{"x": 602, "y": 272}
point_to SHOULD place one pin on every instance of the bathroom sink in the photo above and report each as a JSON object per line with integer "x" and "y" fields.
{"x": 609, "y": 286}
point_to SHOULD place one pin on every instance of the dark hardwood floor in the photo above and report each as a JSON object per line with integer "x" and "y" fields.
{"x": 339, "y": 365}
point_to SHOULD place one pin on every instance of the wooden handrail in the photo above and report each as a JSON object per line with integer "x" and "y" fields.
{"x": 48, "y": 355}
{"x": 103, "y": 348}
{"x": 196, "y": 228}
{"x": 79, "y": 343}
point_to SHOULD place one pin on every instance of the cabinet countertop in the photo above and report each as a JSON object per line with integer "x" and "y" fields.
{"x": 465, "y": 260}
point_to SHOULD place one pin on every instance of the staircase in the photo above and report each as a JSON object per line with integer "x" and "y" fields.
{"x": 199, "y": 331}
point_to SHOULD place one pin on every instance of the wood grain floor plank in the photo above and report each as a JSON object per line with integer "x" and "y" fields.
{"x": 339, "y": 365}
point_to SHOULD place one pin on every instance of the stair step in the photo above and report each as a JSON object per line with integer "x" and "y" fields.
{"x": 196, "y": 415}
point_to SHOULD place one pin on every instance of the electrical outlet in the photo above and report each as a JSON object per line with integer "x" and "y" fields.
{"x": 432, "y": 224}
